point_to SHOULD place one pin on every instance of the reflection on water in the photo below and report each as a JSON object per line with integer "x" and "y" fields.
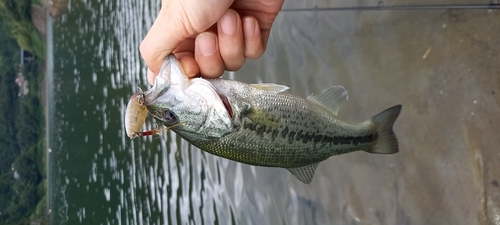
{"x": 99, "y": 176}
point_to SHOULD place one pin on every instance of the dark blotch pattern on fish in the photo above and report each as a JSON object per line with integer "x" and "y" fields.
{"x": 250, "y": 126}
{"x": 284, "y": 132}
{"x": 274, "y": 134}
{"x": 353, "y": 140}
{"x": 335, "y": 140}
{"x": 292, "y": 136}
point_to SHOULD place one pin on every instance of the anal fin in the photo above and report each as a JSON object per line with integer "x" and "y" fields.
{"x": 304, "y": 173}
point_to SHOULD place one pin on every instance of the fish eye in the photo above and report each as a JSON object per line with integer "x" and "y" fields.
{"x": 169, "y": 117}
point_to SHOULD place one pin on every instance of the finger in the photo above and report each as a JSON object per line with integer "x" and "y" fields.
{"x": 185, "y": 54}
{"x": 231, "y": 44}
{"x": 186, "y": 59}
{"x": 207, "y": 55}
{"x": 254, "y": 45}
{"x": 151, "y": 77}
{"x": 186, "y": 45}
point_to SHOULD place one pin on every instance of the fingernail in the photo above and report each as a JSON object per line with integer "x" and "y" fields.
{"x": 228, "y": 23}
{"x": 206, "y": 43}
{"x": 249, "y": 27}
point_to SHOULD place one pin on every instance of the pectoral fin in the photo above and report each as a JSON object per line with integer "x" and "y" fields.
{"x": 304, "y": 173}
{"x": 331, "y": 98}
{"x": 261, "y": 117}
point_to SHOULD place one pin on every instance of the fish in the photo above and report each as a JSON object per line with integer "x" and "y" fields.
{"x": 262, "y": 124}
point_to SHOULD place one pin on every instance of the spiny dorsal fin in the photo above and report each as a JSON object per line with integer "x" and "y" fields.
{"x": 304, "y": 173}
{"x": 331, "y": 98}
{"x": 270, "y": 87}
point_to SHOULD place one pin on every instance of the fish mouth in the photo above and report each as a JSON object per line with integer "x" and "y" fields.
{"x": 161, "y": 98}
{"x": 226, "y": 103}
{"x": 171, "y": 74}
{"x": 167, "y": 67}
{"x": 159, "y": 88}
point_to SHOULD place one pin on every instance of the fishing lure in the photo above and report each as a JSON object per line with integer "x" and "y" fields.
{"x": 135, "y": 117}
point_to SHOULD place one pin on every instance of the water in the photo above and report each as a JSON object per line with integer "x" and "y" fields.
{"x": 446, "y": 172}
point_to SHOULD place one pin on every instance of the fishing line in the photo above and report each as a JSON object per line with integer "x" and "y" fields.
{"x": 380, "y": 6}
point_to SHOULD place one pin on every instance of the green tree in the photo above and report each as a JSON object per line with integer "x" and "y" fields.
{"x": 21, "y": 118}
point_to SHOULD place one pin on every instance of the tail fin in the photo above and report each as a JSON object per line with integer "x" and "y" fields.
{"x": 387, "y": 142}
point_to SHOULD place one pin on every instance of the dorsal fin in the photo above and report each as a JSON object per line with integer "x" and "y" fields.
{"x": 270, "y": 87}
{"x": 331, "y": 98}
{"x": 304, "y": 173}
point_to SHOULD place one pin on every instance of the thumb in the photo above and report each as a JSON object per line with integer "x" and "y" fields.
{"x": 166, "y": 33}
{"x": 177, "y": 21}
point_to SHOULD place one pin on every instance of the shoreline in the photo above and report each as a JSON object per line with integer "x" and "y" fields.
{"x": 42, "y": 19}
{"x": 46, "y": 83}
{"x": 48, "y": 8}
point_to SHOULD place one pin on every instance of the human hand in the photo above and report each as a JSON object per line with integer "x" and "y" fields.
{"x": 209, "y": 36}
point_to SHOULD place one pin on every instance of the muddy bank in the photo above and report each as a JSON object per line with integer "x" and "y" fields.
{"x": 55, "y": 8}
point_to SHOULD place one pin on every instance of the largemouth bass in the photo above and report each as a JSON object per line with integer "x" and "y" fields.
{"x": 261, "y": 124}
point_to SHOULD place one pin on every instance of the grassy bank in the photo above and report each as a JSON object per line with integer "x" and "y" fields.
{"x": 16, "y": 17}
{"x": 23, "y": 184}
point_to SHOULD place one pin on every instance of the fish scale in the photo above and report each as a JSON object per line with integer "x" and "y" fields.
{"x": 262, "y": 125}
{"x": 255, "y": 144}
